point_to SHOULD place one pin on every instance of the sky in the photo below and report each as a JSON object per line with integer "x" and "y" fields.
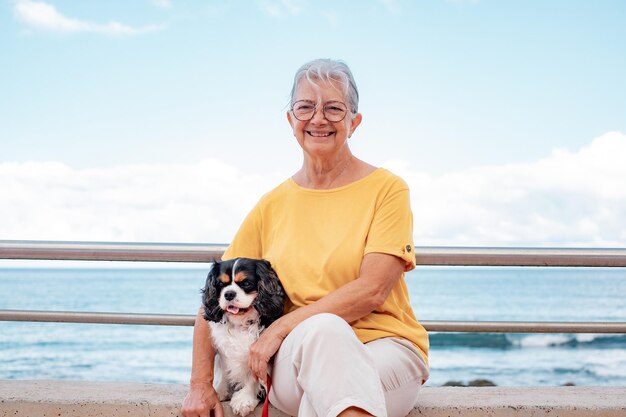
{"x": 164, "y": 121}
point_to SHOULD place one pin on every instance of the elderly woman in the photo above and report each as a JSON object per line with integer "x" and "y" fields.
{"x": 339, "y": 234}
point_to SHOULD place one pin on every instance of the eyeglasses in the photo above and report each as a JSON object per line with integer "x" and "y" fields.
{"x": 333, "y": 111}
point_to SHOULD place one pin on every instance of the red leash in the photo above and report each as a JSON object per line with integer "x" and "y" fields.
{"x": 266, "y": 403}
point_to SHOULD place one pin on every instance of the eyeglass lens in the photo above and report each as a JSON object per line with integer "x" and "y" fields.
{"x": 334, "y": 111}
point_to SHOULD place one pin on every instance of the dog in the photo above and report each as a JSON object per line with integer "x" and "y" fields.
{"x": 241, "y": 298}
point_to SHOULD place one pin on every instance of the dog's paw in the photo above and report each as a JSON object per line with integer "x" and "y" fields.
{"x": 243, "y": 404}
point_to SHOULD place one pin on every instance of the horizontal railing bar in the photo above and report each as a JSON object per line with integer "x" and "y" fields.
{"x": 97, "y": 317}
{"x": 433, "y": 326}
{"x": 196, "y": 252}
{"x": 111, "y": 251}
{"x": 524, "y": 327}
{"x": 485, "y": 256}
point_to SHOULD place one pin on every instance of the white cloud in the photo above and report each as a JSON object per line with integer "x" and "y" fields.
{"x": 202, "y": 202}
{"x": 567, "y": 199}
{"x": 163, "y": 4}
{"x": 570, "y": 198}
{"x": 277, "y": 8}
{"x": 43, "y": 16}
{"x": 331, "y": 17}
{"x": 463, "y": 1}
{"x": 391, "y": 5}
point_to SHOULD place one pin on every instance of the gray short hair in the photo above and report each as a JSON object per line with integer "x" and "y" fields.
{"x": 329, "y": 70}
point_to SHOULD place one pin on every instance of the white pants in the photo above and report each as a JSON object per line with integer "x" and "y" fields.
{"x": 322, "y": 369}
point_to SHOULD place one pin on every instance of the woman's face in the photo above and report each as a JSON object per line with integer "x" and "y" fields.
{"x": 319, "y": 136}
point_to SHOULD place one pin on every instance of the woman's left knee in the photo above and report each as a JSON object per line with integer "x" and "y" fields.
{"x": 327, "y": 327}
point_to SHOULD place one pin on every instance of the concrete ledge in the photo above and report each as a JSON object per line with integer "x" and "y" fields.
{"x": 112, "y": 399}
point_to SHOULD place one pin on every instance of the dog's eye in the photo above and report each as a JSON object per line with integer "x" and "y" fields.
{"x": 246, "y": 285}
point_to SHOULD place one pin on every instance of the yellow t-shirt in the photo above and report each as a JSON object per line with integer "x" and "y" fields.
{"x": 316, "y": 241}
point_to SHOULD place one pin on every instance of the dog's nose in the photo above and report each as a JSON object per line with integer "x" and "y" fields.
{"x": 230, "y": 295}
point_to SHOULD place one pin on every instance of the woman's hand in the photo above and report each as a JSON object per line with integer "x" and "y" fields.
{"x": 202, "y": 401}
{"x": 263, "y": 349}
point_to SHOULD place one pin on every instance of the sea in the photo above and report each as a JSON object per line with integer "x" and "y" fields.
{"x": 162, "y": 354}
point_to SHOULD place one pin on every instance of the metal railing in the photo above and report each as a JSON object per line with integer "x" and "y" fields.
{"x": 199, "y": 252}
{"x": 185, "y": 252}
{"x": 110, "y": 251}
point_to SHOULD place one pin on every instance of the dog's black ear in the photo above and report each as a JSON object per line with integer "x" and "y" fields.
{"x": 211, "y": 294}
{"x": 270, "y": 298}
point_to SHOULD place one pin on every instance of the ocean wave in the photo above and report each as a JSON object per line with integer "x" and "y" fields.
{"x": 473, "y": 340}
{"x": 526, "y": 340}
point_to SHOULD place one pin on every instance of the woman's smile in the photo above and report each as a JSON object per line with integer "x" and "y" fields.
{"x": 319, "y": 134}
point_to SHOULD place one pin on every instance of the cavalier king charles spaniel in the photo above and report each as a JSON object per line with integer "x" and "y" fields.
{"x": 241, "y": 298}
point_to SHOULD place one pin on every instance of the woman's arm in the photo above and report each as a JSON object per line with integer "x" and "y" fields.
{"x": 378, "y": 274}
{"x": 202, "y": 398}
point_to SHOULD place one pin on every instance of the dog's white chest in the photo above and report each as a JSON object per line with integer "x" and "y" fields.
{"x": 233, "y": 342}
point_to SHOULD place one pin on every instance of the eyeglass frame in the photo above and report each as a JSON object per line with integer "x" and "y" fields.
{"x": 315, "y": 108}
